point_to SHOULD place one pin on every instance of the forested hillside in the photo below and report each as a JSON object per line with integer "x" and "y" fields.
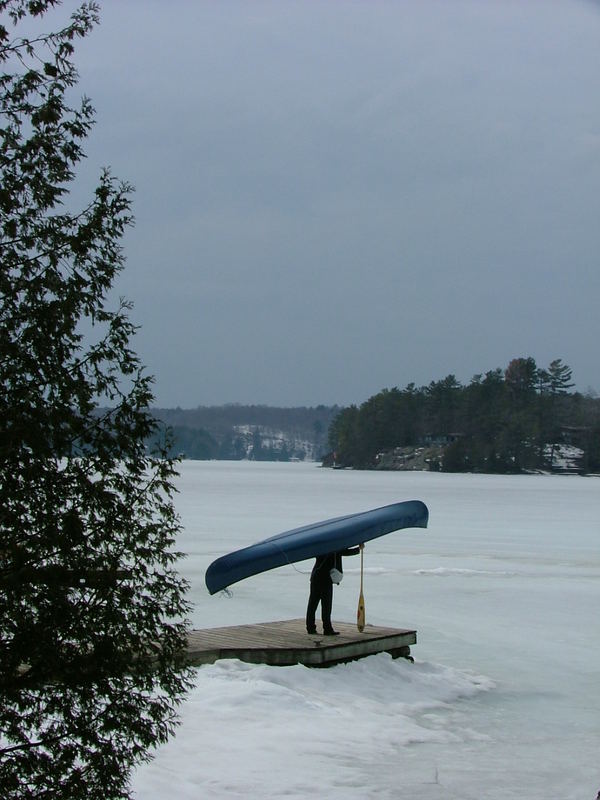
{"x": 260, "y": 433}
{"x": 513, "y": 420}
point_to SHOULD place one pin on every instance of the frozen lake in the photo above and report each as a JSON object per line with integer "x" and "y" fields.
{"x": 503, "y": 700}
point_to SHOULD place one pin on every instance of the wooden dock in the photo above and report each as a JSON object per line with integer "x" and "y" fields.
{"x": 286, "y": 642}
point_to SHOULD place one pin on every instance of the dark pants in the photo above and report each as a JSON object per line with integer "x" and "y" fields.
{"x": 321, "y": 591}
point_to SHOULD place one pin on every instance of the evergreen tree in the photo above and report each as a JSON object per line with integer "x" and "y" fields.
{"x": 442, "y": 400}
{"x": 559, "y": 377}
{"x": 558, "y": 383}
{"x": 91, "y": 607}
{"x": 343, "y": 436}
{"x": 485, "y": 412}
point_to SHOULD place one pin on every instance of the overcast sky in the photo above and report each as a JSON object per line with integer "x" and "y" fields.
{"x": 336, "y": 197}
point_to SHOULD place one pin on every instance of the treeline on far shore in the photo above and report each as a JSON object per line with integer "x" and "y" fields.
{"x": 254, "y": 432}
{"x": 510, "y": 420}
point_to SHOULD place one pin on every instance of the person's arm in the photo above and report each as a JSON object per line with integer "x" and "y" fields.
{"x": 352, "y": 551}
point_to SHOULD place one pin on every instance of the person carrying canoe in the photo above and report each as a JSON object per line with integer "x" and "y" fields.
{"x": 326, "y": 571}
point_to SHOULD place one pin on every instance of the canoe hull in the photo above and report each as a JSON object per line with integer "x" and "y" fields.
{"x": 314, "y": 540}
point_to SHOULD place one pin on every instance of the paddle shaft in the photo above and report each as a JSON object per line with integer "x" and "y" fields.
{"x": 360, "y": 614}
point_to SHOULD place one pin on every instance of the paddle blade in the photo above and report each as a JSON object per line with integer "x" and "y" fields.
{"x": 360, "y": 614}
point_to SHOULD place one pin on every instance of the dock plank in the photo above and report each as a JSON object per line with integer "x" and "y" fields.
{"x": 286, "y": 642}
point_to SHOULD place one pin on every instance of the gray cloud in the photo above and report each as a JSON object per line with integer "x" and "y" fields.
{"x": 333, "y": 198}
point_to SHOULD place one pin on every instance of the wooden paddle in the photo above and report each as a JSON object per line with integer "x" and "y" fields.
{"x": 360, "y": 614}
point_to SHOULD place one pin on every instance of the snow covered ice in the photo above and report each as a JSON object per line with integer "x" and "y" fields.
{"x": 503, "y": 699}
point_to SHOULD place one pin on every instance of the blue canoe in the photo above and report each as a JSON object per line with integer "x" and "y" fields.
{"x": 314, "y": 540}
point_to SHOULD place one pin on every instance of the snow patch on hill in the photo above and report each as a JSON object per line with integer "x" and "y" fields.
{"x": 268, "y": 444}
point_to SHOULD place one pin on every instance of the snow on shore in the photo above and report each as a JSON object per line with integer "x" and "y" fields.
{"x": 259, "y": 731}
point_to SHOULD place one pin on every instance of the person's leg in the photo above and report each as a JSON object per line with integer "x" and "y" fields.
{"x": 311, "y": 610}
{"x": 326, "y": 605}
